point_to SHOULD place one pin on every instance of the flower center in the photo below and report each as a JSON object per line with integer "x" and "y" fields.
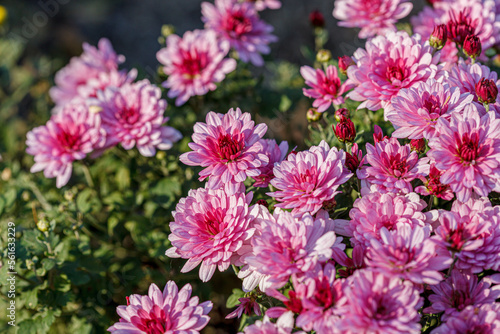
{"x": 230, "y": 147}
{"x": 237, "y": 23}
{"x": 323, "y": 294}
{"x": 306, "y": 181}
{"x": 293, "y": 303}
{"x": 68, "y": 140}
{"x": 396, "y": 74}
{"x": 433, "y": 105}
{"x": 398, "y": 165}
{"x": 129, "y": 115}
{"x": 460, "y": 26}
{"x": 193, "y": 63}
{"x": 213, "y": 221}
{"x": 468, "y": 148}
{"x": 154, "y": 322}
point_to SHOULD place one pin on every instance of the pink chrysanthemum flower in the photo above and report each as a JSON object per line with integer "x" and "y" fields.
{"x": 433, "y": 186}
{"x": 263, "y": 4}
{"x": 276, "y": 154}
{"x": 375, "y": 210}
{"x": 209, "y": 227}
{"x": 467, "y": 149}
{"x": 240, "y": 25}
{"x": 90, "y": 65}
{"x": 373, "y": 17}
{"x": 308, "y": 180}
{"x": 379, "y": 304}
{"x": 415, "y": 110}
{"x": 288, "y": 245}
{"x": 487, "y": 255}
{"x": 458, "y": 291}
{"x": 388, "y": 64}
{"x": 466, "y": 76}
{"x": 284, "y": 325}
{"x": 68, "y": 136}
{"x": 407, "y": 253}
{"x": 478, "y": 320}
{"x": 194, "y": 64}
{"x": 133, "y": 116}
{"x": 229, "y": 147}
{"x": 172, "y": 311}
{"x": 392, "y": 167}
{"x": 326, "y": 88}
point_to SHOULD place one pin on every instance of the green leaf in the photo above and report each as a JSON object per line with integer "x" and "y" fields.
{"x": 30, "y": 298}
{"x": 31, "y": 241}
{"x": 48, "y": 263}
{"x": 285, "y": 103}
{"x": 233, "y": 301}
{"x": 84, "y": 200}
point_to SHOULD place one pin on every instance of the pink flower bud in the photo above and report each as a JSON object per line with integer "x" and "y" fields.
{"x": 472, "y": 46}
{"x": 317, "y": 19}
{"x": 418, "y": 145}
{"x": 345, "y": 131}
{"x": 486, "y": 91}
{"x": 341, "y": 113}
{"x": 438, "y": 37}
{"x": 344, "y": 63}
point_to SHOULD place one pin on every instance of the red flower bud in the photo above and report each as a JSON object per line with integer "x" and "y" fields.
{"x": 459, "y": 27}
{"x": 351, "y": 161}
{"x": 341, "y": 113}
{"x": 263, "y": 202}
{"x": 472, "y": 46}
{"x": 433, "y": 2}
{"x": 486, "y": 91}
{"x": 438, "y": 37}
{"x": 344, "y": 63}
{"x": 345, "y": 131}
{"x": 418, "y": 145}
{"x": 317, "y": 19}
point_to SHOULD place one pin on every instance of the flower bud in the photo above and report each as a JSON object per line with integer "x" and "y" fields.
{"x": 351, "y": 161}
{"x": 3, "y": 14}
{"x": 345, "y": 131}
{"x": 344, "y": 63}
{"x": 438, "y": 37}
{"x": 42, "y": 224}
{"x": 330, "y": 205}
{"x": 486, "y": 91}
{"x": 341, "y": 113}
{"x": 472, "y": 46}
{"x": 323, "y": 56}
{"x": 167, "y": 30}
{"x": 263, "y": 202}
{"x": 313, "y": 115}
{"x": 317, "y": 19}
{"x": 418, "y": 145}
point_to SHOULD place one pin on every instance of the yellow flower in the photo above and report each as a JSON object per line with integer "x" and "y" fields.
{"x": 3, "y": 14}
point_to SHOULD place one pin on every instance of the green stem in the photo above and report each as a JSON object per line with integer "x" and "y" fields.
{"x": 88, "y": 177}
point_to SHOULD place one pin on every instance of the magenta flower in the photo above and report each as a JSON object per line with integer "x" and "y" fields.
{"x": 90, "y": 65}
{"x": 68, "y": 136}
{"x": 388, "y": 64}
{"x": 308, "y": 180}
{"x": 458, "y": 291}
{"x": 276, "y": 154}
{"x": 229, "y": 147}
{"x": 240, "y": 25}
{"x": 326, "y": 88}
{"x": 172, "y": 311}
{"x": 433, "y": 186}
{"x": 194, "y": 64}
{"x": 289, "y": 245}
{"x": 467, "y": 76}
{"x": 375, "y": 210}
{"x": 263, "y": 4}
{"x": 379, "y": 304}
{"x": 407, "y": 253}
{"x": 484, "y": 319}
{"x": 467, "y": 149}
{"x": 133, "y": 116}
{"x": 209, "y": 227}
{"x": 415, "y": 110}
{"x": 373, "y": 17}
{"x": 392, "y": 166}
{"x": 481, "y": 214}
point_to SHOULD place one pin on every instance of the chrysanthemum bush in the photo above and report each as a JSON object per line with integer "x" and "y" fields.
{"x": 385, "y": 219}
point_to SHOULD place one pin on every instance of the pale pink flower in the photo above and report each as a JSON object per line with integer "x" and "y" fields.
{"x": 171, "y": 311}
{"x": 263, "y": 4}
{"x": 326, "y": 88}
{"x": 466, "y": 76}
{"x": 373, "y": 17}
{"x": 133, "y": 116}
{"x": 478, "y": 320}
{"x": 379, "y": 304}
{"x": 194, "y": 64}
{"x": 392, "y": 167}
{"x": 90, "y": 65}
{"x": 458, "y": 291}
{"x": 288, "y": 245}
{"x": 407, "y": 253}
{"x": 229, "y": 148}
{"x": 308, "y": 180}
{"x": 69, "y": 135}
{"x": 415, "y": 110}
{"x": 209, "y": 227}
{"x": 276, "y": 154}
{"x": 487, "y": 255}
{"x": 240, "y": 25}
{"x": 375, "y": 210}
{"x": 388, "y": 64}
{"x": 467, "y": 149}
